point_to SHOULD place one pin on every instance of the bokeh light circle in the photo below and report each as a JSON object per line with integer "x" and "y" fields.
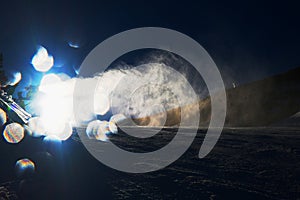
{"x": 36, "y": 127}
{"x": 3, "y": 117}
{"x": 42, "y": 61}
{"x": 13, "y": 133}
{"x": 24, "y": 167}
{"x": 97, "y": 130}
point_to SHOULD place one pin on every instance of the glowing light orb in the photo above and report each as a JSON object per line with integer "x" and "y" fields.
{"x": 55, "y": 115}
{"x": 64, "y": 134}
{"x": 24, "y": 166}
{"x": 51, "y": 125}
{"x": 3, "y": 117}
{"x": 50, "y": 79}
{"x": 63, "y": 76}
{"x": 13, "y": 133}
{"x": 41, "y": 61}
{"x": 97, "y": 130}
{"x": 48, "y": 83}
{"x": 36, "y": 126}
{"x": 17, "y": 79}
{"x": 56, "y": 105}
{"x": 41, "y": 127}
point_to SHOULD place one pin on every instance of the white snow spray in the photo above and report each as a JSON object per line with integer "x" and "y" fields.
{"x": 139, "y": 92}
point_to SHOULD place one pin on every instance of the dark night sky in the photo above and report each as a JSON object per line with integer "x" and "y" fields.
{"x": 247, "y": 40}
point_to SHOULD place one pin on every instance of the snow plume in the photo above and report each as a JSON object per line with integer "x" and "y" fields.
{"x": 139, "y": 92}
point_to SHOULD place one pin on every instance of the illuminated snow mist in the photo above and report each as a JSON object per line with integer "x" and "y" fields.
{"x": 146, "y": 90}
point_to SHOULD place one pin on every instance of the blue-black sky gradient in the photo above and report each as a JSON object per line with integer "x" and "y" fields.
{"x": 248, "y": 40}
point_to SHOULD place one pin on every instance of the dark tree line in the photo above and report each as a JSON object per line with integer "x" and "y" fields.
{"x": 3, "y": 77}
{"x": 21, "y": 97}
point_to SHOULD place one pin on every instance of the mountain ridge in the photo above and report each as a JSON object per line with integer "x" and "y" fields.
{"x": 259, "y": 103}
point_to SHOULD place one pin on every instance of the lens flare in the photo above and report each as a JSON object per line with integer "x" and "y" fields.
{"x": 54, "y": 105}
{"x": 41, "y": 61}
{"x": 3, "y": 117}
{"x": 36, "y": 126}
{"x": 16, "y": 79}
{"x": 64, "y": 134}
{"x": 73, "y": 45}
{"x": 24, "y": 166}
{"x": 13, "y": 133}
{"x": 63, "y": 76}
{"x": 98, "y": 130}
{"x": 48, "y": 83}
